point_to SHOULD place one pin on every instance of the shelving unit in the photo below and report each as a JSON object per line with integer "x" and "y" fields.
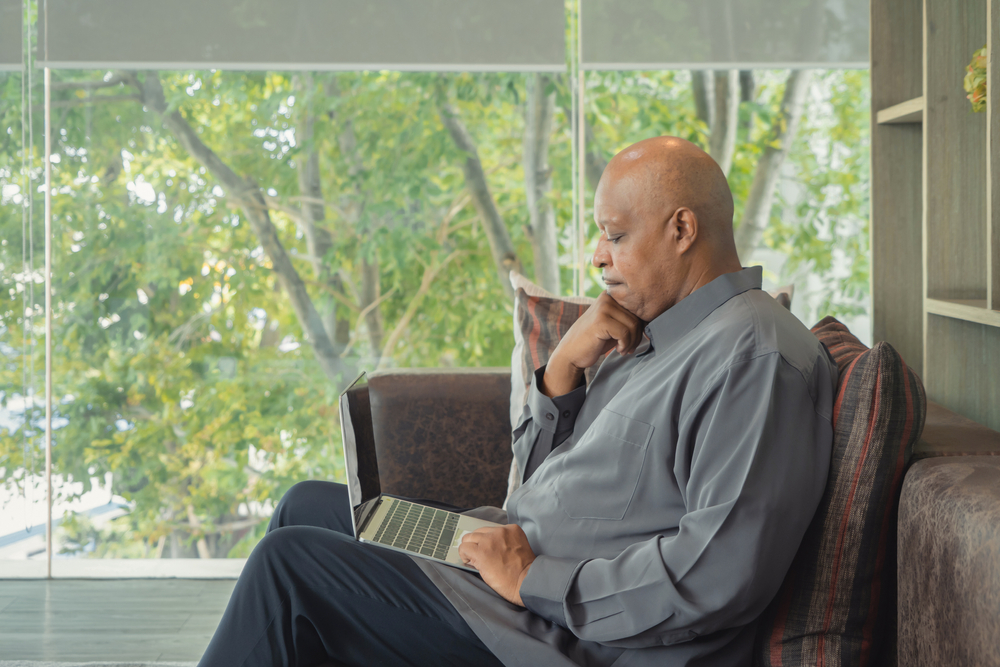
{"x": 935, "y": 226}
{"x": 970, "y": 310}
{"x": 910, "y": 111}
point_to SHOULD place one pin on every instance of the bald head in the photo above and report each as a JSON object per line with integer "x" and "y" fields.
{"x": 662, "y": 174}
{"x": 666, "y": 215}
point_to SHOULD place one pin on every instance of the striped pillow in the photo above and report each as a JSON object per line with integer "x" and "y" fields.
{"x": 837, "y": 605}
{"x": 540, "y": 320}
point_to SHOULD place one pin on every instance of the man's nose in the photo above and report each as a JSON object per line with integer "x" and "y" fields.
{"x": 601, "y": 255}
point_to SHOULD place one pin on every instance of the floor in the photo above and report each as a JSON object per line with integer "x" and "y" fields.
{"x": 124, "y": 568}
{"x": 124, "y": 620}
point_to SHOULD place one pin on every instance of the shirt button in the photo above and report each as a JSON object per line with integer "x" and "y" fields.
{"x": 549, "y": 416}
{"x": 648, "y": 332}
{"x": 566, "y": 414}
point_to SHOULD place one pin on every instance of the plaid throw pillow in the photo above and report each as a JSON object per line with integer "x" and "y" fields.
{"x": 837, "y": 605}
{"x": 540, "y": 320}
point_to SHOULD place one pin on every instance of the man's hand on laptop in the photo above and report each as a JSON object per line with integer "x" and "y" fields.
{"x": 605, "y": 326}
{"x": 502, "y": 555}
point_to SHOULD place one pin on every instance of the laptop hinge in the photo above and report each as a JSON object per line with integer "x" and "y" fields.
{"x": 364, "y": 513}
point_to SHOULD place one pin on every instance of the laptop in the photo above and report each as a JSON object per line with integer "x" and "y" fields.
{"x": 384, "y": 520}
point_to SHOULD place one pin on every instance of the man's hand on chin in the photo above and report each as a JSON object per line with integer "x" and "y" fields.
{"x": 502, "y": 555}
{"x": 604, "y": 326}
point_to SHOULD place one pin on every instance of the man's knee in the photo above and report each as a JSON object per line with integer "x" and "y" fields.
{"x": 304, "y": 499}
{"x": 302, "y": 494}
{"x": 304, "y": 556}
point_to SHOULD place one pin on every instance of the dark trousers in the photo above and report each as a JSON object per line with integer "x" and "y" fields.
{"x": 310, "y": 595}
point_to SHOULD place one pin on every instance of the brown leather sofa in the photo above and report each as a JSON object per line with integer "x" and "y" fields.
{"x": 444, "y": 434}
{"x": 949, "y": 546}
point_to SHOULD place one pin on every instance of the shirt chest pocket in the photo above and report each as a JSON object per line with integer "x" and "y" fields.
{"x": 600, "y": 474}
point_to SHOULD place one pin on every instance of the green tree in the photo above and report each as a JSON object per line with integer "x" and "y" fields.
{"x": 215, "y": 233}
{"x": 231, "y": 247}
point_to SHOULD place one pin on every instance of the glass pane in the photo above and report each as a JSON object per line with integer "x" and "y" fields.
{"x": 22, "y": 322}
{"x": 231, "y": 248}
{"x": 814, "y": 235}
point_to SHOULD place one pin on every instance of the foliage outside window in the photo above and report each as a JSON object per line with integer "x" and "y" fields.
{"x": 200, "y": 366}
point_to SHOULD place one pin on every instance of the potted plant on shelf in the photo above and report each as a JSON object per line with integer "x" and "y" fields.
{"x": 975, "y": 80}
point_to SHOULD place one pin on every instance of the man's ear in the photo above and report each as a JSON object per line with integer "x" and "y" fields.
{"x": 684, "y": 229}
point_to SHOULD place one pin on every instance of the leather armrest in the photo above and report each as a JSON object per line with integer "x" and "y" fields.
{"x": 949, "y": 434}
{"x": 443, "y": 434}
{"x": 949, "y": 578}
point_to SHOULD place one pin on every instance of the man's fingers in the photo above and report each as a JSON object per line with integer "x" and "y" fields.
{"x": 466, "y": 551}
{"x": 622, "y": 326}
{"x": 625, "y": 337}
{"x": 615, "y": 309}
{"x": 633, "y": 336}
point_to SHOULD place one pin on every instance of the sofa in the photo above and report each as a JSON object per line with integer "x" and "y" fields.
{"x": 444, "y": 434}
{"x": 949, "y": 546}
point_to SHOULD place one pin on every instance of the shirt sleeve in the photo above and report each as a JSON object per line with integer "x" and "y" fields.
{"x": 544, "y": 425}
{"x": 752, "y": 460}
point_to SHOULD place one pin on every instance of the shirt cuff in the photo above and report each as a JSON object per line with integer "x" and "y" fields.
{"x": 554, "y": 414}
{"x": 544, "y": 588}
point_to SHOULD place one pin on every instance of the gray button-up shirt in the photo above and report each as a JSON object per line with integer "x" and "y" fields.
{"x": 665, "y": 501}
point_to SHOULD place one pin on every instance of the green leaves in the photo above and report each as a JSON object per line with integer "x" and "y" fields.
{"x": 180, "y": 365}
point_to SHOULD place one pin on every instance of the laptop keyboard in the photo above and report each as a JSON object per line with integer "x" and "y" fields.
{"x": 419, "y": 529}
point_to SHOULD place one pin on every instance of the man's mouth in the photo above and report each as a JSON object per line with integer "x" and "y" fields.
{"x": 611, "y": 283}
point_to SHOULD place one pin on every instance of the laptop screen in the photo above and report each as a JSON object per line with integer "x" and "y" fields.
{"x": 359, "y": 443}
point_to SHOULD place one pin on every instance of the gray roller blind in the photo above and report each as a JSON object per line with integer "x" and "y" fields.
{"x": 10, "y": 34}
{"x": 678, "y": 34}
{"x": 430, "y": 35}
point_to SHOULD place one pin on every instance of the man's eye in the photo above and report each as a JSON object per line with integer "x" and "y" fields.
{"x": 616, "y": 239}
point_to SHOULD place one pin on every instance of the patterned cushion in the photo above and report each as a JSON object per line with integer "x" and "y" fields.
{"x": 540, "y": 320}
{"x": 843, "y": 346}
{"x": 837, "y": 605}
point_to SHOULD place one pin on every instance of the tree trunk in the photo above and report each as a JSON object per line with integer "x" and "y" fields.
{"x": 748, "y": 93}
{"x": 594, "y": 161}
{"x": 748, "y": 87}
{"x": 370, "y": 272}
{"x": 175, "y": 545}
{"x": 539, "y": 111}
{"x": 318, "y": 239}
{"x": 370, "y": 293}
{"x": 504, "y": 256}
{"x": 726, "y": 102}
{"x": 200, "y": 543}
{"x": 703, "y": 88}
{"x": 256, "y": 212}
{"x": 757, "y": 211}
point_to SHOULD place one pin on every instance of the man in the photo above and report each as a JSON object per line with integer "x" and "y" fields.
{"x": 660, "y": 507}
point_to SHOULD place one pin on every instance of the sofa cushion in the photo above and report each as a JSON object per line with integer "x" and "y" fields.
{"x": 837, "y": 605}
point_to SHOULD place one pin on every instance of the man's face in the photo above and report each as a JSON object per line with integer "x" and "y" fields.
{"x": 635, "y": 251}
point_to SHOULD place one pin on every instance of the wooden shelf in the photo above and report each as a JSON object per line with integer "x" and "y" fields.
{"x": 910, "y": 111}
{"x": 970, "y": 310}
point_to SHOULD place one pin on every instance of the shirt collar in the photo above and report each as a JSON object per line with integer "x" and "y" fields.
{"x": 678, "y": 320}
